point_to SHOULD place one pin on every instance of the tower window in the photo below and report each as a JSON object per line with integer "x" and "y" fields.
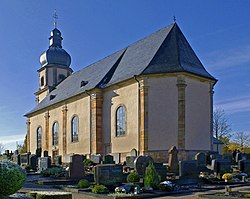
{"x": 42, "y": 81}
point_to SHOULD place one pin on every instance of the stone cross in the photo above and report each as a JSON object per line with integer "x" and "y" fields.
{"x": 173, "y": 159}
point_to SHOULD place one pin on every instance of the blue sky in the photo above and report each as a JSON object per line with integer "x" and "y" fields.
{"x": 218, "y": 31}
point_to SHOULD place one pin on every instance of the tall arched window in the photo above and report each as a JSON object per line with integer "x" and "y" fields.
{"x": 120, "y": 121}
{"x": 39, "y": 137}
{"x": 55, "y": 134}
{"x": 74, "y": 129}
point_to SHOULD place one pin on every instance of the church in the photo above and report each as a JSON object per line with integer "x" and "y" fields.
{"x": 147, "y": 97}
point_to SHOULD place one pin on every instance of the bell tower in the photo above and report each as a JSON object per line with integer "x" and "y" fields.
{"x": 55, "y": 65}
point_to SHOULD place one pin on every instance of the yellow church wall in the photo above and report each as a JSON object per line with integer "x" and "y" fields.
{"x": 197, "y": 115}
{"x": 126, "y": 95}
{"x": 162, "y": 112}
{"x": 82, "y": 110}
{"x": 35, "y": 122}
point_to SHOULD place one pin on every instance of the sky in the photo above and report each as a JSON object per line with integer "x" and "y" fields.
{"x": 218, "y": 31}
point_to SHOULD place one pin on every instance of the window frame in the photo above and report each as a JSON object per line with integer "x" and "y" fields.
{"x": 72, "y": 128}
{"x": 124, "y": 123}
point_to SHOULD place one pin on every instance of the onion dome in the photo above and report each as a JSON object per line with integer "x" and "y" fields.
{"x": 55, "y": 55}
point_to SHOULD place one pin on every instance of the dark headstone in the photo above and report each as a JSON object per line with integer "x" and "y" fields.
{"x": 16, "y": 152}
{"x": 19, "y": 159}
{"x": 239, "y": 156}
{"x": 228, "y": 157}
{"x": 108, "y": 159}
{"x": 201, "y": 159}
{"x": 44, "y": 163}
{"x": 108, "y": 174}
{"x": 188, "y": 169}
{"x": 216, "y": 156}
{"x": 7, "y": 152}
{"x": 141, "y": 162}
{"x": 25, "y": 158}
{"x": 39, "y": 152}
{"x": 33, "y": 162}
{"x": 58, "y": 160}
{"x": 161, "y": 170}
{"x": 173, "y": 159}
{"x": 221, "y": 167}
{"x": 247, "y": 156}
{"x": 130, "y": 161}
{"x": 45, "y": 154}
{"x": 76, "y": 166}
{"x": 244, "y": 166}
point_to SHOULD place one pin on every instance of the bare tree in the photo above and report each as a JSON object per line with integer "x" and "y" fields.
{"x": 1, "y": 148}
{"x": 221, "y": 128}
{"x": 242, "y": 138}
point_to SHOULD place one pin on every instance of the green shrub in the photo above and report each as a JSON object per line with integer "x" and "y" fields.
{"x": 88, "y": 162}
{"x": 100, "y": 189}
{"x": 12, "y": 178}
{"x": 54, "y": 172}
{"x": 53, "y": 195}
{"x": 151, "y": 178}
{"x": 133, "y": 178}
{"x": 83, "y": 184}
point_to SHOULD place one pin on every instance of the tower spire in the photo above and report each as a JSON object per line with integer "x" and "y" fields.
{"x": 55, "y": 16}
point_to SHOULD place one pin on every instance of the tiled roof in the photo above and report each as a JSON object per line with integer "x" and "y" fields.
{"x": 165, "y": 51}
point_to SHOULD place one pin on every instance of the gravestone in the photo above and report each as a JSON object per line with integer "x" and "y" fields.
{"x": 25, "y": 158}
{"x": 96, "y": 158}
{"x": 188, "y": 169}
{"x": 239, "y": 156}
{"x": 44, "y": 163}
{"x": 33, "y": 161}
{"x": 108, "y": 159}
{"x": 19, "y": 159}
{"x": 141, "y": 162}
{"x": 244, "y": 166}
{"x": 216, "y": 156}
{"x": 16, "y": 152}
{"x": 130, "y": 161}
{"x": 161, "y": 170}
{"x": 7, "y": 152}
{"x": 108, "y": 174}
{"x": 76, "y": 166}
{"x": 228, "y": 157}
{"x": 173, "y": 159}
{"x": 247, "y": 155}
{"x": 58, "y": 160}
{"x": 221, "y": 167}
{"x": 201, "y": 159}
{"x": 133, "y": 152}
{"x": 45, "y": 154}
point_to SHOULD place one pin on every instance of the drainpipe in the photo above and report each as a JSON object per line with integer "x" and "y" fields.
{"x": 90, "y": 121}
{"x": 139, "y": 114}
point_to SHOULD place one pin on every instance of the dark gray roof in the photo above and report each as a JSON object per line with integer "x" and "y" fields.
{"x": 216, "y": 141}
{"x": 165, "y": 51}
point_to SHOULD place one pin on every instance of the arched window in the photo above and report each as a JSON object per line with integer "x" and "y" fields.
{"x": 55, "y": 134}
{"x": 74, "y": 129}
{"x": 120, "y": 121}
{"x": 39, "y": 137}
{"x": 42, "y": 81}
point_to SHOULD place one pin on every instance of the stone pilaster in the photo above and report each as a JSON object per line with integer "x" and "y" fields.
{"x": 64, "y": 129}
{"x": 96, "y": 117}
{"x": 143, "y": 117}
{"x": 211, "y": 92}
{"x": 28, "y": 134}
{"x": 46, "y": 144}
{"x": 181, "y": 86}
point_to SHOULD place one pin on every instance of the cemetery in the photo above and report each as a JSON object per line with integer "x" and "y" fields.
{"x": 138, "y": 177}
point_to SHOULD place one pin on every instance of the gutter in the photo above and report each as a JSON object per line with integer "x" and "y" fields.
{"x": 139, "y": 114}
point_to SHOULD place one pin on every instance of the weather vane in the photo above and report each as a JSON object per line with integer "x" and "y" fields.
{"x": 174, "y": 18}
{"x": 55, "y": 16}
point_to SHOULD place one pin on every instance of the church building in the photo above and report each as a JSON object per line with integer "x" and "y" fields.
{"x": 149, "y": 96}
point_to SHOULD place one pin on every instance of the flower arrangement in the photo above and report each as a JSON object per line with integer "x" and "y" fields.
{"x": 227, "y": 177}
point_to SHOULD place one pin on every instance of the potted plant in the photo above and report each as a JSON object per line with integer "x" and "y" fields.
{"x": 227, "y": 177}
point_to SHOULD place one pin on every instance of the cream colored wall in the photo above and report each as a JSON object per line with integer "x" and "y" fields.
{"x": 43, "y": 95}
{"x": 162, "y": 113}
{"x": 197, "y": 115}
{"x": 128, "y": 96}
{"x": 35, "y": 122}
{"x": 81, "y": 109}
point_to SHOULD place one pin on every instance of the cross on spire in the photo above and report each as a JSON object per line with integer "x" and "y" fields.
{"x": 55, "y": 16}
{"x": 174, "y": 18}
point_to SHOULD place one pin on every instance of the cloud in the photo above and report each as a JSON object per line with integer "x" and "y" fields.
{"x": 12, "y": 138}
{"x": 235, "y": 105}
{"x": 221, "y": 59}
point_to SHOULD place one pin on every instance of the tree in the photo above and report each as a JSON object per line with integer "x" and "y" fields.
{"x": 242, "y": 139}
{"x": 1, "y": 148}
{"x": 221, "y": 128}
